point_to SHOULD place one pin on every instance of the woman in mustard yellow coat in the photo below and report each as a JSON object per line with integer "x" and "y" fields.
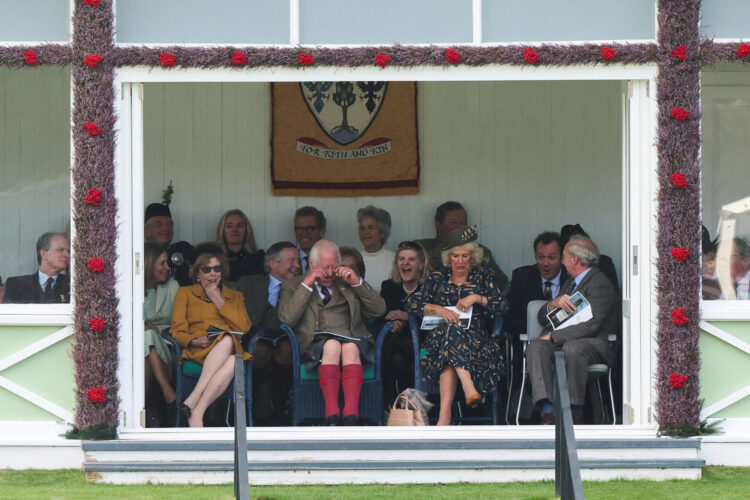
{"x": 196, "y": 307}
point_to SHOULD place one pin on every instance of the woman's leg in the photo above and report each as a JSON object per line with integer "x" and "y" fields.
{"x": 215, "y": 388}
{"x": 148, "y": 374}
{"x": 448, "y": 384}
{"x": 329, "y": 376}
{"x": 351, "y": 378}
{"x": 159, "y": 371}
{"x": 466, "y": 383}
{"x": 213, "y": 362}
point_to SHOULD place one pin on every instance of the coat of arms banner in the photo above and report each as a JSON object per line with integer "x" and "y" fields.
{"x": 344, "y": 139}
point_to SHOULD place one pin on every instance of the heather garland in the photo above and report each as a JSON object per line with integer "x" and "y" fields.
{"x": 679, "y": 54}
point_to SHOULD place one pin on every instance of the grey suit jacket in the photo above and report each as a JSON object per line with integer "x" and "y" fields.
{"x": 600, "y": 293}
{"x": 300, "y": 308}
{"x": 255, "y": 290}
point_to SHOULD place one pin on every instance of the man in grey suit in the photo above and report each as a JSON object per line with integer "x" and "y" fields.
{"x": 584, "y": 343}
{"x": 272, "y": 362}
{"x": 325, "y": 309}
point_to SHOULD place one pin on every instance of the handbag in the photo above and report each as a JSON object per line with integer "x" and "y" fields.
{"x": 408, "y": 415}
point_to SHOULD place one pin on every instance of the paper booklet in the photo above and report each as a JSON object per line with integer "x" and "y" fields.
{"x": 334, "y": 335}
{"x": 560, "y": 319}
{"x": 431, "y": 321}
{"x": 215, "y": 331}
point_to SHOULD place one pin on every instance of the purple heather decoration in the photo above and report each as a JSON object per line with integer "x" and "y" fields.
{"x": 679, "y": 218}
{"x": 95, "y": 355}
{"x": 678, "y": 282}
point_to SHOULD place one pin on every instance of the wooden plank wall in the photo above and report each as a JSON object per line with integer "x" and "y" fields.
{"x": 521, "y": 156}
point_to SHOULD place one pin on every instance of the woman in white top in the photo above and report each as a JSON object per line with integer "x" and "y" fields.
{"x": 374, "y": 229}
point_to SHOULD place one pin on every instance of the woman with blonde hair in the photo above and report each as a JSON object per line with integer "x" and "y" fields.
{"x": 235, "y": 236}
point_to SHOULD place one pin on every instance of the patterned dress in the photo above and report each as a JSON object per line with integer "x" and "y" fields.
{"x": 474, "y": 348}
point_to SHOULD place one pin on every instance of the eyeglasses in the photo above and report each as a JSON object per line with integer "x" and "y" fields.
{"x": 208, "y": 269}
{"x": 305, "y": 229}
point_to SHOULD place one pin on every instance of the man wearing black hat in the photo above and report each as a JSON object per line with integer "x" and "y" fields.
{"x": 159, "y": 228}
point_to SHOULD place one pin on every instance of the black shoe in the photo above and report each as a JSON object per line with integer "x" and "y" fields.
{"x": 332, "y": 420}
{"x": 351, "y": 420}
{"x": 548, "y": 419}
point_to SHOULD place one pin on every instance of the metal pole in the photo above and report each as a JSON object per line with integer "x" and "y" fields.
{"x": 241, "y": 487}
{"x": 567, "y": 472}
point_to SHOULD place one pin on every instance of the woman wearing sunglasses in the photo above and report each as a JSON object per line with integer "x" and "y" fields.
{"x": 197, "y": 307}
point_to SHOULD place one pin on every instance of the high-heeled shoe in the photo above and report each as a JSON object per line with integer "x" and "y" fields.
{"x": 185, "y": 411}
{"x": 474, "y": 401}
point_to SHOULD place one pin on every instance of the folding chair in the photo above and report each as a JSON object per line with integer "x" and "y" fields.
{"x": 430, "y": 387}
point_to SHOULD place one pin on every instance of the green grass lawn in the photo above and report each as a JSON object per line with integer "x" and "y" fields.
{"x": 717, "y": 482}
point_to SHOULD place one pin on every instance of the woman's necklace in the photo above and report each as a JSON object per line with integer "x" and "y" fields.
{"x": 409, "y": 292}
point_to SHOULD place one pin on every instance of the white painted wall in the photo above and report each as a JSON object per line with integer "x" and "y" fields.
{"x": 521, "y": 156}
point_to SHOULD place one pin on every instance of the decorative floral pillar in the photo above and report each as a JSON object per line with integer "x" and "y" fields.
{"x": 679, "y": 218}
{"x": 95, "y": 317}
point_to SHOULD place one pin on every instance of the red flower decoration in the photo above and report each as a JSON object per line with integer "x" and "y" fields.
{"x": 97, "y": 324}
{"x": 305, "y": 59}
{"x": 91, "y": 128}
{"x": 531, "y": 56}
{"x": 679, "y": 180}
{"x": 608, "y": 53}
{"x": 678, "y": 316}
{"x": 167, "y": 60}
{"x": 743, "y": 51}
{"x": 93, "y": 198}
{"x": 97, "y": 394}
{"x": 680, "y": 254}
{"x": 679, "y": 53}
{"x": 238, "y": 58}
{"x": 382, "y": 60}
{"x": 30, "y": 57}
{"x": 676, "y": 380}
{"x": 96, "y": 264}
{"x": 93, "y": 3}
{"x": 452, "y": 56}
{"x": 92, "y": 60}
{"x": 680, "y": 114}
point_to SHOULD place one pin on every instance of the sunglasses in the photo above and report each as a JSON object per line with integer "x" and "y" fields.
{"x": 208, "y": 269}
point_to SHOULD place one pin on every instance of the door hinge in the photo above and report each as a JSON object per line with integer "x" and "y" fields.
{"x": 635, "y": 260}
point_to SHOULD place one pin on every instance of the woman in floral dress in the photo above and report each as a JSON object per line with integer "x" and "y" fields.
{"x": 469, "y": 355}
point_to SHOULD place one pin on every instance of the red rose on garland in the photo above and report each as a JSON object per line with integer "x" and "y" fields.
{"x": 680, "y": 114}
{"x": 678, "y": 317}
{"x": 238, "y": 58}
{"x": 531, "y": 56}
{"x": 452, "y": 56}
{"x": 305, "y": 59}
{"x": 167, "y": 60}
{"x": 743, "y": 51}
{"x": 676, "y": 380}
{"x": 608, "y": 53}
{"x": 680, "y": 254}
{"x": 91, "y": 128}
{"x": 93, "y": 3}
{"x": 679, "y": 53}
{"x": 93, "y": 198}
{"x": 679, "y": 180}
{"x": 382, "y": 60}
{"x": 97, "y": 324}
{"x": 30, "y": 57}
{"x": 96, "y": 264}
{"x": 97, "y": 394}
{"x": 92, "y": 60}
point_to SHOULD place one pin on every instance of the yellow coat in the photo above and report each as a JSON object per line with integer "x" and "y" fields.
{"x": 193, "y": 313}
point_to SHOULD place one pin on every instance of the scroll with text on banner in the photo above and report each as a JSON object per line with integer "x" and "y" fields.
{"x": 344, "y": 139}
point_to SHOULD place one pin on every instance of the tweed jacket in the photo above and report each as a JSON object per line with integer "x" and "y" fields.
{"x": 255, "y": 290}
{"x": 301, "y": 308}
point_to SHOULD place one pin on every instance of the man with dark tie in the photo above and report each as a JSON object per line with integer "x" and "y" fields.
{"x": 272, "y": 362}
{"x": 325, "y": 307}
{"x": 50, "y": 284}
{"x": 309, "y": 228}
{"x": 540, "y": 281}
{"x": 584, "y": 343}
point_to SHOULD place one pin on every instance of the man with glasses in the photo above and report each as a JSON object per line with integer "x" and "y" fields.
{"x": 50, "y": 285}
{"x": 309, "y": 228}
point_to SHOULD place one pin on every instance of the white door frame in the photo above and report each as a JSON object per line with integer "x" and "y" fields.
{"x": 639, "y": 201}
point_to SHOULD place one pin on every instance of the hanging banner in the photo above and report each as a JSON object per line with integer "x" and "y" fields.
{"x": 344, "y": 139}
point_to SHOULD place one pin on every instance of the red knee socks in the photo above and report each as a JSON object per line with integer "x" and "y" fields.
{"x": 329, "y": 377}
{"x": 351, "y": 380}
